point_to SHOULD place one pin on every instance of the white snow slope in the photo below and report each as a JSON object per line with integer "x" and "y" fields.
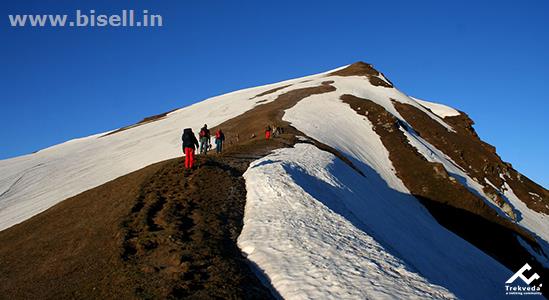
{"x": 313, "y": 225}
{"x": 319, "y": 231}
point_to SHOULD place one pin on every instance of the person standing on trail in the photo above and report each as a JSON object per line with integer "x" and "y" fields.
{"x": 189, "y": 143}
{"x": 204, "y": 139}
{"x": 219, "y": 139}
{"x": 268, "y": 131}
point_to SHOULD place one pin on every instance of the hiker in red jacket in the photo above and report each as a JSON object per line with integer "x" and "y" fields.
{"x": 189, "y": 143}
{"x": 268, "y": 131}
{"x": 219, "y": 139}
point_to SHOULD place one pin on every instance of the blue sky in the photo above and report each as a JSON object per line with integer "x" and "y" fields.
{"x": 488, "y": 59}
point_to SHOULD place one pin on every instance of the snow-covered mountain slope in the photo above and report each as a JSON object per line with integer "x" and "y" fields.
{"x": 400, "y": 205}
{"x": 32, "y": 183}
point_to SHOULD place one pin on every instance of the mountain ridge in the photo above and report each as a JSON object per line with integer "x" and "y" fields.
{"x": 400, "y": 147}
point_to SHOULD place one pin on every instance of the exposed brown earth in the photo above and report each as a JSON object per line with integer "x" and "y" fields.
{"x": 156, "y": 233}
{"x": 188, "y": 249}
{"x": 364, "y": 69}
{"x": 476, "y": 157}
{"x": 144, "y": 121}
{"x": 72, "y": 250}
{"x": 270, "y": 91}
{"x": 450, "y": 203}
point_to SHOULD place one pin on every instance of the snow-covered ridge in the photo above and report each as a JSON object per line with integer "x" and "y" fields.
{"x": 319, "y": 231}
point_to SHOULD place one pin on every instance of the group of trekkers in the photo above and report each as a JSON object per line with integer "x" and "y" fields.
{"x": 190, "y": 143}
{"x": 272, "y": 131}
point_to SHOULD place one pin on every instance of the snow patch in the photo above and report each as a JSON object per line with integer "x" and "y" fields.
{"x": 532, "y": 220}
{"x": 440, "y": 110}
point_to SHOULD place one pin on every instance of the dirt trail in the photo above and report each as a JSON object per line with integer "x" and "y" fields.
{"x": 182, "y": 230}
{"x": 157, "y": 233}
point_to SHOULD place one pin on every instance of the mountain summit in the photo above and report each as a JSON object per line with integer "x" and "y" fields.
{"x": 365, "y": 192}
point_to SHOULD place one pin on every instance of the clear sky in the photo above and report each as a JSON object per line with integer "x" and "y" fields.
{"x": 487, "y": 58}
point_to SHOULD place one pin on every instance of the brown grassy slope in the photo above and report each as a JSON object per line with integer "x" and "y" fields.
{"x": 72, "y": 249}
{"x": 142, "y": 122}
{"x": 188, "y": 249}
{"x": 155, "y": 233}
{"x": 476, "y": 157}
{"x": 270, "y": 91}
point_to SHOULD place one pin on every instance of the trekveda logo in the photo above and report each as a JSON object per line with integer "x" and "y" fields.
{"x": 522, "y": 289}
{"x": 520, "y": 273}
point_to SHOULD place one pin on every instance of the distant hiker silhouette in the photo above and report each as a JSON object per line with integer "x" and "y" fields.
{"x": 189, "y": 143}
{"x": 277, "y": 130}
{"x": 268, "y": 131}
{"x": 219, "y": 139}
{"x": 204, "y": 139}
